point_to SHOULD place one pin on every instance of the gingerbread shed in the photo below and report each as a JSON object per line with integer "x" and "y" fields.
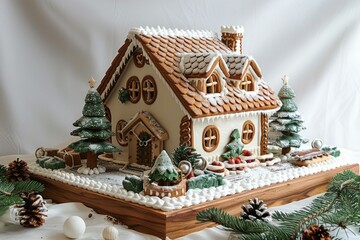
{"x": 186, "y": 87}
{"x": 145, "y": 138}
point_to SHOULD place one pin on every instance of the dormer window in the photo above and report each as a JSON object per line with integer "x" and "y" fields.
{"x": 247, "y": 84}
{"x": 213, "y": 84}
{"x": 207, "y": 72}
{"x": 244, "y": 72}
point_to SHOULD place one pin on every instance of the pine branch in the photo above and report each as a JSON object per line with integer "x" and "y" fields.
{"x": 6, "y": 188}
{"x": 305, "y": 216}
{"x": 321, "y": 205}
{"x": 231, "y": 222}
{"x": 311, "y": 217}
{"x": 338, "y": 207}
{"x": 280, "y": 216}
{"x": 338, "y": 182}
{"x": 28, "y": 186}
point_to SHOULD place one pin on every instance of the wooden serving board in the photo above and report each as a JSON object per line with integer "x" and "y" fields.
{"x": 181, "y": 222}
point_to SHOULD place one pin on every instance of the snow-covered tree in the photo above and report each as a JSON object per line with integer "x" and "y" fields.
{"x": 93, "y": 129}
{"x": 287, "y": 121}
{"x": 163, "y": 171}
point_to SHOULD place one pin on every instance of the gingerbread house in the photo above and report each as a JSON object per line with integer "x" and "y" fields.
{"x": 186, "y": 87}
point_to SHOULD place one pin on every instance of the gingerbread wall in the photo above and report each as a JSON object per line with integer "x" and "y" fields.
{"x": 226, "y": 126}
{"x": 165, "y": 109}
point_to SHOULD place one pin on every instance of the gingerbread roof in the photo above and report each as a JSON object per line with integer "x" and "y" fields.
{"x": 167, "y": 49}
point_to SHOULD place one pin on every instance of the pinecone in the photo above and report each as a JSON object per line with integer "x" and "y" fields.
{"x": 18, "y": 171}
{"x": 255, "y": 210}
{"x": 30, "y": 213}
{"x": 314, "y": 232}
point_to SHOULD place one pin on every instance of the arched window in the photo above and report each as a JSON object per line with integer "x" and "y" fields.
{"x": 120, "y": 138}
{"x": 213, "y": 84}
{"x": 247, "y": 83}
{"x": 133, "y": 86}
{"x": 248, "y": 132}
{"x": 149, "y": 91}
{"x": 210, "y": 138}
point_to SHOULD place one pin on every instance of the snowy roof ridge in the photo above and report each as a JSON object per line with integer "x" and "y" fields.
{"x": 232, "y": 29}
{"x": 162, "y": 31}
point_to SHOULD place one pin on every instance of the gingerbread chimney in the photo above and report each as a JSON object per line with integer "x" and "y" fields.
{"x": 232, "y": 36}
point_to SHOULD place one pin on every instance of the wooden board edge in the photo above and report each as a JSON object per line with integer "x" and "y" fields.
{"x": 181, "y": 222}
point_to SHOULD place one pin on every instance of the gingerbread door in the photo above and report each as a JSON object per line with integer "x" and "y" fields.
{"x": 144, "y": 149}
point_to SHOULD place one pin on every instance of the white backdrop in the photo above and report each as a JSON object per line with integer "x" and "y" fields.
{"x": 49, "y": 50}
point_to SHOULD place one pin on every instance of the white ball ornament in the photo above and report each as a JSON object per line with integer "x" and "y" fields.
{"x": 317, "y": 143}
{"x": 110, "y": 233}
{"x": 74, "y": 227}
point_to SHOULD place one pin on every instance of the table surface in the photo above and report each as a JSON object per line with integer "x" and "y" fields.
{"x": 58, "y": 213}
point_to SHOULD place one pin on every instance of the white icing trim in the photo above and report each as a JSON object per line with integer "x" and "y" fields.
{"x": 211, "y": 119}
{"x": 251, "y": 58}
{"x": 162, "y": 31}
{"x": 232, "y": 29}
{"x": 87, "y": 171}
{"x": 117, "y": 70}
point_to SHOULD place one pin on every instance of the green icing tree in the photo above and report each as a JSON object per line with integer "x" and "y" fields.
{"x": 287, "y": 122}
{"x": 184, "y": 152}
{"x": 164, "y": 172}
{"x": 234, "y": 147}
{"x": 93, "y": 129}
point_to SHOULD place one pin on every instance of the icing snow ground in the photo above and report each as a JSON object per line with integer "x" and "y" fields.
{"x": 110, "y": 182}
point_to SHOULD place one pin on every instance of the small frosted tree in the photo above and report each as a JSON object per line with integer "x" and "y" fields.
{"x": 163, "y": 172}
{"x": 287, "y": 121}
{"x": 93, "y": 129}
